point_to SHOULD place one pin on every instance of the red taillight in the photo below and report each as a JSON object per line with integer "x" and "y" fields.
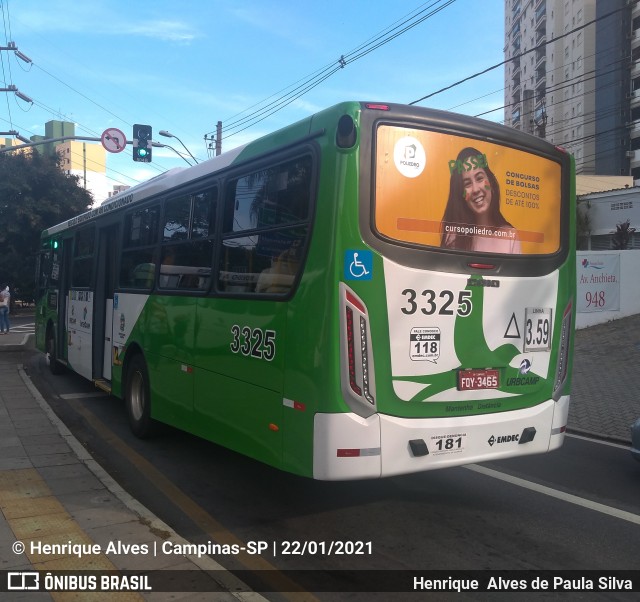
{"x": 352, "y": 353}
{"x": 357, "y": 364}
{"x": 355, "y": 302}
{"x": 482, "y": 266}
{"x": 348, "y": 453}
{"x": 377, "y": 107}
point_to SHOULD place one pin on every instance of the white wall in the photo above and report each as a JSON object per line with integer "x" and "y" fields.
{"x": 629, "y": 289}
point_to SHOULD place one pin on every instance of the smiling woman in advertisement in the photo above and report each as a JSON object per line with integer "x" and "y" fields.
{"x": 472, "y": 219}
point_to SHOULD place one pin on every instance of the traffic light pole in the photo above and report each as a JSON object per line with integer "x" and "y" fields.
{"x": 49, "y": 141}
{"x": 8, "y": 149}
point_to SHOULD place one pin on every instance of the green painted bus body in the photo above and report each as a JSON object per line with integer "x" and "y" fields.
{"x": 265, "y": 407}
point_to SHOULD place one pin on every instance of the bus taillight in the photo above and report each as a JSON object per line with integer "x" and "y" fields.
{"x": 357, "y": 359}
{"x": 562, "y": 364}
{"x": 377, "y": 106}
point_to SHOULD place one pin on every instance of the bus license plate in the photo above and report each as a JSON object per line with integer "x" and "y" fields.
{"x": 472, "y": 380}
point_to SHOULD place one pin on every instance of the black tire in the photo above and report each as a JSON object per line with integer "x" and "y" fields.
{"x": 137, "y": 398}
{"x": 55, "y": 367}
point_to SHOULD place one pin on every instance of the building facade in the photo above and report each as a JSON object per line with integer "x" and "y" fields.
{"x": 568, "y": 78}
{"x": 606, "y": 215}
{"x": 86, "y": 160}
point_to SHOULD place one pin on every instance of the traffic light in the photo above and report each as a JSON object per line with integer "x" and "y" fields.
{"x": 142, "y": 138}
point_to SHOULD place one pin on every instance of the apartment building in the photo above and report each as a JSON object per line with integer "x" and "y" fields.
{"x": 568, "y": 78}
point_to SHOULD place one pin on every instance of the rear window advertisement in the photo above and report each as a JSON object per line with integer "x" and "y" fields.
{"x": 452, "y": 192}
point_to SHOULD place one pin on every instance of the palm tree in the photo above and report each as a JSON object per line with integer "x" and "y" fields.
{"x": 622, "y": 235}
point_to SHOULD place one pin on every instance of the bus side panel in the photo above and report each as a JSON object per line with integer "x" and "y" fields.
{"x": 170, "y": 324}
{"x": 312, "y": 383}
{"x": 79, "y": 321}
{"x": 238, "y": 372}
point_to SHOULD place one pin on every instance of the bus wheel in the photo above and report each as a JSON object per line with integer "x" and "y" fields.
{"x": 55, "y": 367}
{"x": 138, "y": 398}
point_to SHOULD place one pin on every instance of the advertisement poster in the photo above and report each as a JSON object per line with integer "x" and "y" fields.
{"x": 598, "y": 283}
{"x": 442, "y": 190}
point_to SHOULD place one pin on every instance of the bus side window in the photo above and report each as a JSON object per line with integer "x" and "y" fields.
{"x": 84, "y": 246}
{"x": 187, "y": 247}
{"x": 139, "y": 255}
{"x": 266, "y": 226}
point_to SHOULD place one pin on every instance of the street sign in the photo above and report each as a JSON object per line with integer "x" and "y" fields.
{"x": 113, "y": 140}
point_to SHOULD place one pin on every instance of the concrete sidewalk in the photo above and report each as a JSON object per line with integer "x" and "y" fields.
{"x": 52, "y": 493}
{"x": 605, "y": 392}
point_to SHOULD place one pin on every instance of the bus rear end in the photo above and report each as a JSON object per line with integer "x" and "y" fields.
{"x": 456, "y": 299}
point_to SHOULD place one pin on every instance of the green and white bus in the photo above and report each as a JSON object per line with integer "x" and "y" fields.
{"x": 375, "y": 290}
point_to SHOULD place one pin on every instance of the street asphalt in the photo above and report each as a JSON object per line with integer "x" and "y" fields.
{"x": 51, "y": 489}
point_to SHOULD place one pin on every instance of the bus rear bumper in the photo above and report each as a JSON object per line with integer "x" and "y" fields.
{"x": 347, "y": 446}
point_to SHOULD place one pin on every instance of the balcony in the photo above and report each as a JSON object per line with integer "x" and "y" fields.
{"x": 516, "y": 10}
{"x": 515, "y": 118}
{"x": 634, "y": 129}
{"x": 634, "y": 156}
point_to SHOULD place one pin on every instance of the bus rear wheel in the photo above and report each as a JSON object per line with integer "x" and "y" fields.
{"x": 138, "y": 398}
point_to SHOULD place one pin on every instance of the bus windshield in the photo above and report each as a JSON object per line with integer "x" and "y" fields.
{"x": 442, "y": 190}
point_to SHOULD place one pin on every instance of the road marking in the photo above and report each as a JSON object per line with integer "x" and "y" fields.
{"x": 560, "y": 495}
{"x": 233, "y": 585}
{"x": 600, "y": 441}
{"x": 289, "y": 589}
{"x": 82, "y": 395}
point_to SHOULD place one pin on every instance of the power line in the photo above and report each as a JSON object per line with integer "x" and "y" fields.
{"x": 306, "y": 84}
{"x": 517, "y": 56}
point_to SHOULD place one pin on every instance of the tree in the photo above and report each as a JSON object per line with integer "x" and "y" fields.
{"x": 583, "y": 225}
{"x": 34, "y": 194}
{"x": 622, "y": 235}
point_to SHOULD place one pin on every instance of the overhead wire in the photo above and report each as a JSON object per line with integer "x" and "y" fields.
{"x": 318, "y": 77}
{"x": 519, "y": 55}
{"x": 303, "y": 86}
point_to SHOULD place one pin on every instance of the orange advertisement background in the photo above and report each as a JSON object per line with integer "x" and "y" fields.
{"x": 411, "y": 208}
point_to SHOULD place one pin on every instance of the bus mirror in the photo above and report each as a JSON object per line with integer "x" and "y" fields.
{"x": 346, "y": 134}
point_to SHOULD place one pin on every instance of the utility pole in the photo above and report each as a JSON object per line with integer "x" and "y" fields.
{"x": 23, "y": 57}
{"x": 218, "y": 138}
{"x": 214, "y": 143}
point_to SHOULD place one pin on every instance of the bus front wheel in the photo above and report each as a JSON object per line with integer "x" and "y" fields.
{"x": 138, "y": 398}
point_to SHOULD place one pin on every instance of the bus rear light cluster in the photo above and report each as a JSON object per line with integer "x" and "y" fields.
{"x": 562, "y": 365}
{"x": 357, "y": 452}
{"x": 357, "y": 360}
{"x": 351, "y": 352}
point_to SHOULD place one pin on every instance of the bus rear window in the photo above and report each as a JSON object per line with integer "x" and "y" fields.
{"x": 442, "y": 190}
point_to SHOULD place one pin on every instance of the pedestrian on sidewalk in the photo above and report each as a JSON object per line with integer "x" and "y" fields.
{"x": 5, "y": 301}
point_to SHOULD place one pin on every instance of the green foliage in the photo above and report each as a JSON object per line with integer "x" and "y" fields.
{"x": 34, "y": 194}
{"x": 583, "y": 225}
{"x": 622, "y": 236}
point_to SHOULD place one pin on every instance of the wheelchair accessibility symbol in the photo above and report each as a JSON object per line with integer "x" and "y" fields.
{"x": 358, "y": 265}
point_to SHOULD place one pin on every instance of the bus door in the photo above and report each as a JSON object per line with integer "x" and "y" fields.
{"x": 63, "y": 275}
{"x": 103, "y": 304}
